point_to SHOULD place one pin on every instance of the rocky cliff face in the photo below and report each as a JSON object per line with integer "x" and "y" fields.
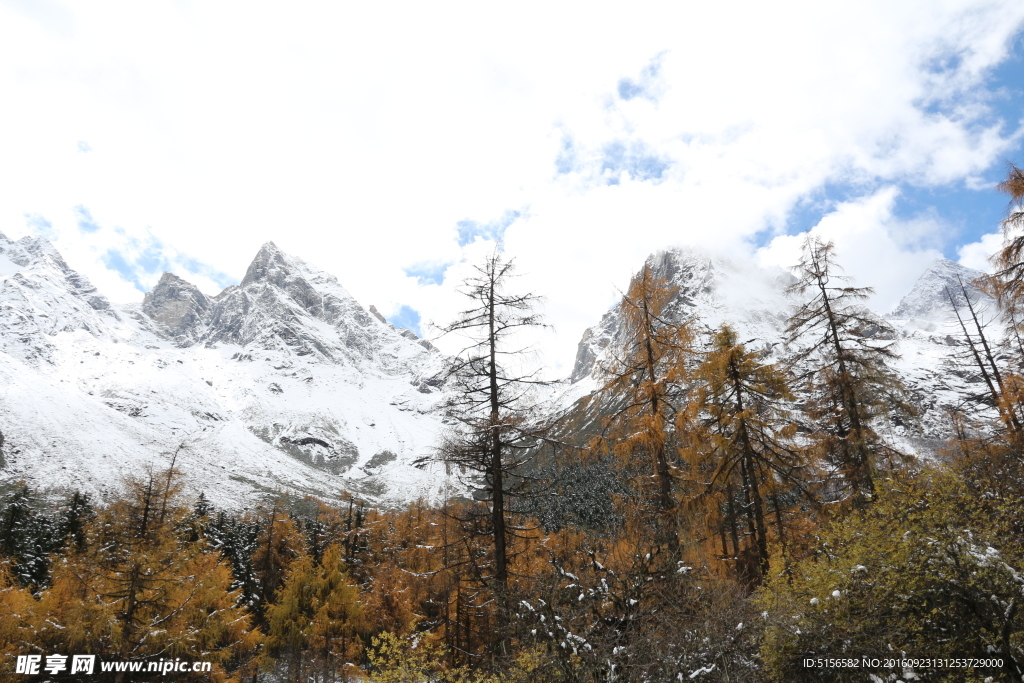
{"x": 42, "y": 297}
{"x": 282, "y": 303}
{"x": 930, "y": 297}
{"x": 178, "y": 307}
{"x": 711, "y": 290}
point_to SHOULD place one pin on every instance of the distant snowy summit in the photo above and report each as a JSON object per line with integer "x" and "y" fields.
{"x": 41, "y": 297}
{"x": 930, "y": 297}
{"x": 712, "y": 290}
{"x": 281, "y": 304}
{"x": 283, "y": 383}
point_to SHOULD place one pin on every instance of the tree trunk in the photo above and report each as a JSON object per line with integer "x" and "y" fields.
{"x": 497, "y": 471}
{"x": 750, "y": 474}
{"x": 856, "y": 449}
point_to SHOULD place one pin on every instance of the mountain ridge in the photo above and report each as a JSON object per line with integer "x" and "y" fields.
{"x": 281, "y": 382}
{"x": 713, "y": 290}
{"x": 284, "y": 382}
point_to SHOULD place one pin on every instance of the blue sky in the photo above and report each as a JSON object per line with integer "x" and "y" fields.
{"x": 138, "y": 258}
{"x": 392, "y": 148}
{"x": 408, "y": 318}
{"x": 970, "y": 208}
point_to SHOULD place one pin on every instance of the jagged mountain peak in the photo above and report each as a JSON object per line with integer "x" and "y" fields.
{"x": 170, "y": 282}
{"x": 28, "y": 248}
{"x": 713, "y": 288}
{"x": 179, "y": 307}
{"x": 716, "y": 279}
{"x": 41, "y": 296}
{"x": 929, "y": 297}
{"x": 283, "y": 382}
{"x": 38, "y": 255}
{"x": 269, "y": 264}
{"x": 283, "y": 303}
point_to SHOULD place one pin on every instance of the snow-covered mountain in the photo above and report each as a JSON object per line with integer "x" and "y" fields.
{"x": 284, "y": 383}
{"x": 281, "y": 383}
{"x": 715, "y": 289}
{"x": 935, "y": 362}
{"x": 929, "y": 300}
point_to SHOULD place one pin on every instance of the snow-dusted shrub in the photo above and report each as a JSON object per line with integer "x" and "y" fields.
{"x": 921, "y": 573}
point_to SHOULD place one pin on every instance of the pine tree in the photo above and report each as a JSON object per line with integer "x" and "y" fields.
{"x": 27, "y": 536}
{"x": 278, "y": 545}
{"x": 314, "y": 625}
{"x": 138, "y": 591}
{"x": 1008, "y": 281}
{"x": 75, "y": 515}
{"x": 322, "y": 526}
{"x": 850, "y": 385}
{"x": 236, "y": 539}
{"x": 743, "y": 459}
{"x": 645, "y": 381}
{"x": 19, "y": 634}
{"x": 1007, "y": 284}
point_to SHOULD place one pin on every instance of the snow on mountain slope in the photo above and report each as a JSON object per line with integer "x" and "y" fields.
{"x": 935, "y": 361}
{"x": 928, "y": 300}
{"x": 40, "y": 296}
{"x": 713, "y": 289}
{"x": 281, "y": 383}
{"x": 285, "y": 383}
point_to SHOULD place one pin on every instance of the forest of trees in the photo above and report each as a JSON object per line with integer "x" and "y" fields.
{"x": 708, "y": 515}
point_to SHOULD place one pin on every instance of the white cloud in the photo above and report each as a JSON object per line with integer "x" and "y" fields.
{"x": 976, "y": 254}
{"x": 871, "y": 246}
{"x": 358, "y": 136}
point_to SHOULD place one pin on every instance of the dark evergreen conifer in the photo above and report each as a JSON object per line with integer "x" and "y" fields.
{"x": 28, "y": 534}
{"x": 74, "y": 516}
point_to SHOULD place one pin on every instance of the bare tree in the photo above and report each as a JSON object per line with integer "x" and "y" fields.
{"x": 844, "y": 368}
{"x": 984, "y": 359}
{"x": 498, "y": 429}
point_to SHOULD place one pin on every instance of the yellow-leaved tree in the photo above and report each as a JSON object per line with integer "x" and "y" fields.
{"x": 745, "y": 469}
{"x": 316, "y": 623}
{"x": 643, "y": 379}
{"x": 18, "y": 626}
{"x": 137, "y": 592}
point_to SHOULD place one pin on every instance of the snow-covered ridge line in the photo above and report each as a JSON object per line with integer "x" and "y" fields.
{"x": 281, "y": 383}
{"x": 285, "y": 383}
{"x": 715, "y": 289}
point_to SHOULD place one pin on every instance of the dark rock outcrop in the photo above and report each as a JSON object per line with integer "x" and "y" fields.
{"x": 179, "y": 307}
